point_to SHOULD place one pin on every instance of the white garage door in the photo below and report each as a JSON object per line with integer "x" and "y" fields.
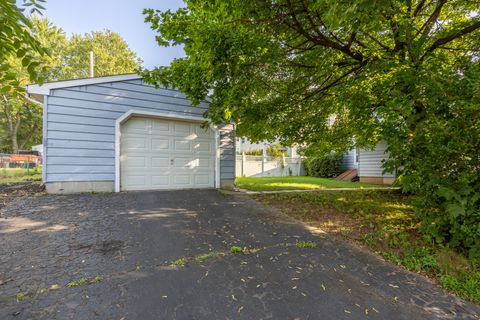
{"x": 166, "y": 154}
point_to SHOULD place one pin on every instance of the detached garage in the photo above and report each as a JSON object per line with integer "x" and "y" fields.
{"x": 118, "y": 133}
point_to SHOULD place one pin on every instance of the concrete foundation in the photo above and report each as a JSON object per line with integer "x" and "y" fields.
{"x": 227, "y": 184}
{"x": 68, "y": 187}
{"x": 79, "y": 186}
{"x": 378, "y": 180}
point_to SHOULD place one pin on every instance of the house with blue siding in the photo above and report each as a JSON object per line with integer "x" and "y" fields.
{"x": 118, "y": 133}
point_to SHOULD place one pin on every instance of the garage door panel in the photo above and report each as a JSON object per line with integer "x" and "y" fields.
{"x": 205, "y": 163}
{"x": 181, "y": 145}
{"x": 182, "y": 180}
{"x": 140, "y": 126}
{"x": 202, "y": 146}
{"x": 135, "y": 180}
{"x": 166, "y": 154}
{"x": 184, "y": 163}
{"x": 135, "y": 143}
{"x": 162, "y": 126}
{"x": 160, "y": 144}
{"x": 135, "y": 161}
{"x": 161, "y": 162}
{"x": 160, "y": 180}
{"x": 202, "y": 133}
{"x": 202, "y": 179}
{"x": 182, "y": 127}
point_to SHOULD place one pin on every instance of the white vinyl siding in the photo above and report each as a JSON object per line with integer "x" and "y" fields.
{"x": 370, "y": 162}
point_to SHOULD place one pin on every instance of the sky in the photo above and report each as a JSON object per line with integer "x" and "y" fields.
{"x": 121, "y": 16}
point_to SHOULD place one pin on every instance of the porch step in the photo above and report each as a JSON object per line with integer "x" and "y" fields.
{"x": 349, "y": 175}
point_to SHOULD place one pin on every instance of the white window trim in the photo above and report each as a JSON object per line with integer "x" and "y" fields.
{"x": 45, "y": 88}
{"x": 44, "y": 139}
{"x": 356, "y": 156}
{"x": 163, "y": 115}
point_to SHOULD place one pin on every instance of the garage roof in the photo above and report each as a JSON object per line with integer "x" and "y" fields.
{"x": 44, "y": 89}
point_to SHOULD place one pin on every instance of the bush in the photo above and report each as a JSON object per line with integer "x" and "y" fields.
{"x": 273, "y": 151}
{"x": 254, "y": 152}
{"x": 440, "y": 165}
{"x": 327, "y": 166}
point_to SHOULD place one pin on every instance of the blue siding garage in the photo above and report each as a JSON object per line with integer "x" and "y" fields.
{"x": 82, "y": 120}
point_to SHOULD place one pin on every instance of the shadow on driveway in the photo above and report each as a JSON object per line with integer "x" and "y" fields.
{"x": 123, "y": 245}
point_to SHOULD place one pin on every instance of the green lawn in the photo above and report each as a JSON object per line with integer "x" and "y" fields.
{"x": 384, "y": 222}
{"x": 14, "y": 175}
{"x": 295, "y": 183}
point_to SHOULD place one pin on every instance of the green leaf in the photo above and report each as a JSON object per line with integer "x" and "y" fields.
{"x": 25, "y": 61}
{"x": 446, "y": 193}
{"x": 20, "y": 53}
{"x": 455, "y": 210}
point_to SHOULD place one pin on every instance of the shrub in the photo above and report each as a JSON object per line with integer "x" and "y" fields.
{"x": 273, "y": 150}
{"x": 442, "y": 170}
{"x": 254, "y": 152}
{"x": 327, "y": 166}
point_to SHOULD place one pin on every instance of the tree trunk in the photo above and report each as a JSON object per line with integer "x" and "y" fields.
{"x": 13, "y": 138}
{"x": 14, "y": 124}
{"x": 32, "y": 132}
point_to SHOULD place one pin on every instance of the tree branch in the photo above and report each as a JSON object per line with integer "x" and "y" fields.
{"x": 385, "y": 47}
{"x": 333, "y": 83}
{"x": 419, "y": 7}
{"x": 460, "y": 33}
{"x": 428, "y": 25}
{"x": 320, "y": 39}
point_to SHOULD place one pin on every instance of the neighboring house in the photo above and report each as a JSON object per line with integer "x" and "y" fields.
{"x": 118, "y": 133}
{"x": 369, "y": 164}
{"x": 38, "y": 148}
{"x": 245, "y": 145}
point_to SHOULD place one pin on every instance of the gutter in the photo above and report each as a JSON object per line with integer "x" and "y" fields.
{"x": 33, "y": 100}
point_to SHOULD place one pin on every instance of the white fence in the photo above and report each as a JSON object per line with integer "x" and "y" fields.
{"x": 258, "y": 166}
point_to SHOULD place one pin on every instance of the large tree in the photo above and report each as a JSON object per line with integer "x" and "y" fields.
{"x": 332, "y": 74}
{"x": 112, "y": 55}
{"x": 66, "y": 58}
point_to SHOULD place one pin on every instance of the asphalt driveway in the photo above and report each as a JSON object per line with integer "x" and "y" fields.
{"x": 165, "y": 255}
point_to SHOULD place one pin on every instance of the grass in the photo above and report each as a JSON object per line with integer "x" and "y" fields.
{"x": 202, "y": 257}
{"x": 181, "y": 262}
{"x": 20, "y": 296}
{"x": 295, "y": 183}
{"x": 384, "y": 222}
{"x": 84, "y": 281}
{"x": 236, "y": 249}
{"x": 80, "y": 282}
{"x": 305, "y": 244}
{"x": 15, "y": 175}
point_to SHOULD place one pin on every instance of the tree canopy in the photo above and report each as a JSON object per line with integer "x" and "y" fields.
{"x": 332, "y": 75}
{"x": 112, "y": 55}
{"x": 64, "y": 58}
{"x": 16, "y": 40}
